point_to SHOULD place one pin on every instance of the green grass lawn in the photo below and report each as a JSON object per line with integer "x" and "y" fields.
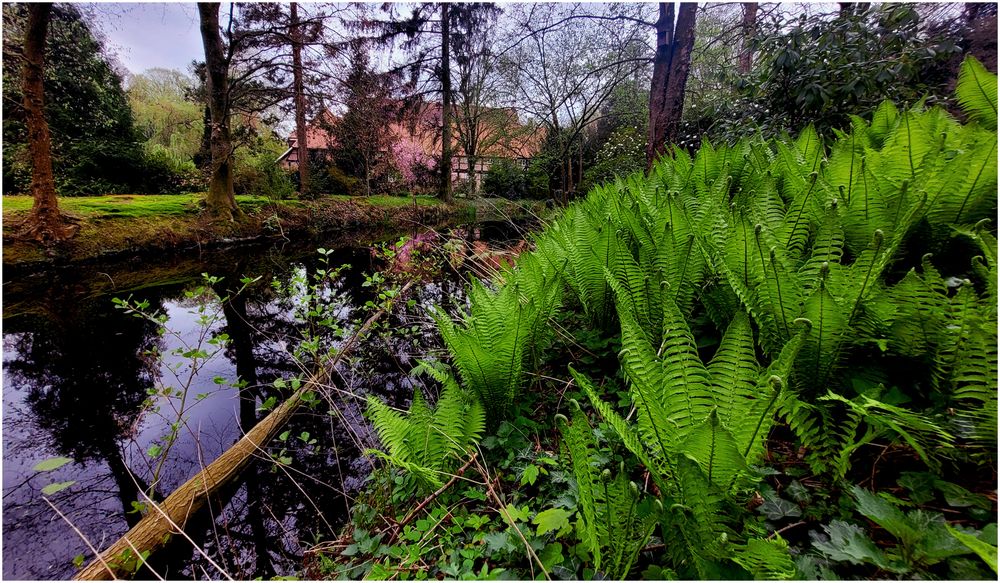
{"x": 150, "y": 205}
{"x": 385, "y": 200}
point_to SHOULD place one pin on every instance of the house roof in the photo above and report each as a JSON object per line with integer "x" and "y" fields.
{"x": 501, "y": 134}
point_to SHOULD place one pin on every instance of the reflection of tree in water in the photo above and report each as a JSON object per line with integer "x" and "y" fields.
{"x": 276, "y": 508}
{"x": 86, "y": 381}
{"x": 85, "y": 385}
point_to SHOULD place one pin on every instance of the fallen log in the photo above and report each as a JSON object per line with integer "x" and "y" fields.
{"x": 163, "y": 520}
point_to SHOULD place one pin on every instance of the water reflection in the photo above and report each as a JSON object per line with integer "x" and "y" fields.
{"x": 77, "y": 377}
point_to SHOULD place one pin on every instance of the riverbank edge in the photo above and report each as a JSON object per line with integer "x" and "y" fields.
{"x": 104, "y": 238}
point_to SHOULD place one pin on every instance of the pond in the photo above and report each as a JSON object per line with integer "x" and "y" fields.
{"x": 79, "y": 382}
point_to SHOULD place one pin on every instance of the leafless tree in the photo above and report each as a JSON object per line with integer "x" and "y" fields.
{"x": 565, "y": 63}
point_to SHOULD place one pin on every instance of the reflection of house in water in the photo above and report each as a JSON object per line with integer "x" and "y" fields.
{"x": 417, "y": 139}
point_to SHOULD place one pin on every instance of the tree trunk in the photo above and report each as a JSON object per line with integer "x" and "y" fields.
{"x": 445, "y": 106}
{"x": 300, "y": 101}
{"x": 670, "y": 72}
{"x": 658, "y": 87}
{"x": 220, "y": 200}
{"x": 749, "y": 24}
{"x": 45, "y": 223}
{"x": 181, "y": 506}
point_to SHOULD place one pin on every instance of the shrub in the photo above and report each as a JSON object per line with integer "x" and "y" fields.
{"x": 623, "y": 154}
{"x": 509, "y": 179}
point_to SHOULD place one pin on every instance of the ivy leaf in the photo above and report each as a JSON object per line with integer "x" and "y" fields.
{"x": 920, "y": 485}
{"x": 52, "y": 463}
{"x": 553, "y": 519}
{"x": 57, "y": 487}
{"x": 551, "y": 555}
{"x": 777, "y": 508}
{"x": 798, "y": 492}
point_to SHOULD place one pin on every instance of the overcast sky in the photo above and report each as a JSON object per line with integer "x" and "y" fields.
{"x": 150, "y": 35}
{"x": 167, "y": 35}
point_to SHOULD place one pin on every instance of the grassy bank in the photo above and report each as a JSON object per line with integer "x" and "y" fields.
{"x": 114, "y": 225}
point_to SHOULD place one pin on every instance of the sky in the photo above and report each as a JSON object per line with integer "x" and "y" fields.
{"x": 148, "y": 35}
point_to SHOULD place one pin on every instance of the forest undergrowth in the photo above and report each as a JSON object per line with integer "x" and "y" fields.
{"x": 774, "y": 360}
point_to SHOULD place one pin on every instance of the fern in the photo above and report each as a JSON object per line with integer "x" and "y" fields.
{"x": 616, "y": 524}
{"x": 767, "y": 559}
{"x": 977, "y": 92}
{"x": 428, "y": 442}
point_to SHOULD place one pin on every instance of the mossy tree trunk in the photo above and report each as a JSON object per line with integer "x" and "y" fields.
{"x": 45, "y": 223}
{"x": 220, "y": 201}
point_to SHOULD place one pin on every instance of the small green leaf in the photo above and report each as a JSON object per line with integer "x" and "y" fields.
{"x": 553, "y": 519}
{"x": 530, "y": 475}
{"x": 78, "y": 561}
{"x": 986, "y": 552}
{"x": 52, "y": 463}
{"x": 516, "y": 514}
{"x": 57, "y": 487}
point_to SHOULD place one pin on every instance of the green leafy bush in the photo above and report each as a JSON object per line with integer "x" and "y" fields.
{"x": 509, "y": 179}
{"x": 622, "y": 154}
{"x": 819, "y": 70}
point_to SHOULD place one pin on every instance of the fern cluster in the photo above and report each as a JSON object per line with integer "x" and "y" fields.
{"x": 813, "y": 260}
{"x": 429, "y": 443}
{"x": 491, "y": 344}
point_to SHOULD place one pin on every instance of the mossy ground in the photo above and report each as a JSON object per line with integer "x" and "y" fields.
{"x": 132, "y": 223}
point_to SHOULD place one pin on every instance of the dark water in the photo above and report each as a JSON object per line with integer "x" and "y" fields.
{"x": 76, "y": 376}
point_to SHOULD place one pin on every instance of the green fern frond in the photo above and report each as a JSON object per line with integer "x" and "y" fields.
{"x": 767, "y": 559}
{"x": 427, "y": 442}
{"x": 977, "y": 92}
{"x": 615, "y": 524}
{"x": 714, "y": 449}
{"x": 651, "y": 454}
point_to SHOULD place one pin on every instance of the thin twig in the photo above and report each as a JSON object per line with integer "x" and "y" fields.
{"x": 784, "y": 528}
{"x": 413, "y": 513}
{"x": 82, "y": 537}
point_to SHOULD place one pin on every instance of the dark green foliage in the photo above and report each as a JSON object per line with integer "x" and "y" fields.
{"x": 508, "y": 179}
{"x": 922, "y": 539}
{"x": 820, "y": 69}
{"x": 95, "y": 147}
